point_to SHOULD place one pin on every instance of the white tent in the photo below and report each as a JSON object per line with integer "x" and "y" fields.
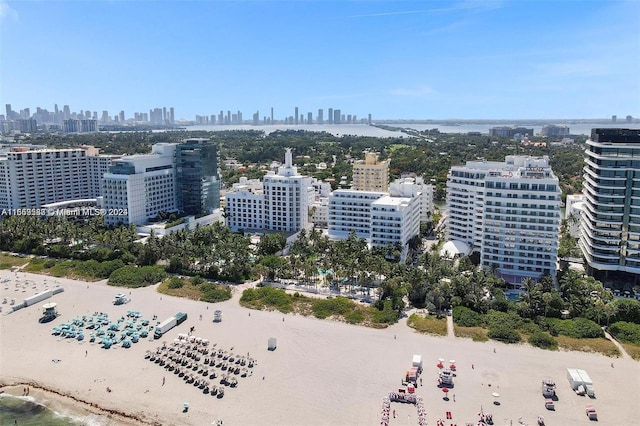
{"x": 454, "y": 248}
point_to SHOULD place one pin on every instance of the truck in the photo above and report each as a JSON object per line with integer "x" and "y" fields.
{"x": 580, "y": 382}
{"x": 168, "y": 324}
{"x": 417, "y": 362}
{"x": 574, "y": 378}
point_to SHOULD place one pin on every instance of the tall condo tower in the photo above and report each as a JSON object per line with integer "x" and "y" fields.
{"x": 610, "y": 222}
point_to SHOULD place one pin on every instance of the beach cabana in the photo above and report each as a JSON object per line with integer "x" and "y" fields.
{"x": 272, "y": 344}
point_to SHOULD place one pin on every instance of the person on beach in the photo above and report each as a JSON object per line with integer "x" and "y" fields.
{"x": 86, "y": 353}
{"x": 163, "y": 379}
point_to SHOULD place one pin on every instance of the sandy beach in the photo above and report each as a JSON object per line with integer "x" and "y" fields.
{"x": 322, "y": 372}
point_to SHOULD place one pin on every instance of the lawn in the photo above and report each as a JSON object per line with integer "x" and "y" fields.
{"x": 8, "y": 261}
{"x": 477, "y": 334}
{"x": 598, "y": 344}
{"x": 632, "y": 350}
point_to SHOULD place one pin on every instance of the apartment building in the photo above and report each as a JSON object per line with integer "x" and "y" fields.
{"x": 610, "y": 219}
{"x": 371, "y": 174}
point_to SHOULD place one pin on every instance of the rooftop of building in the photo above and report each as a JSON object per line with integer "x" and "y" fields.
{"x": 615, "y": 135}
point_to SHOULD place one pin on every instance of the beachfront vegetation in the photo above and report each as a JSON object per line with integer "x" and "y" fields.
{"x": 133, "y": 276}
{"x": 596, "y": 345}
{"x": 195, "y": 288}
{"x": 89, "y": 270}
{"x": 8, "y": 261}
{"x": 627, "y": 332}
{"x": 543, "y": 340}
{"x": 428, "y": 324}
{"x": 339, "y": 308}
{"x": 477, "y": 334}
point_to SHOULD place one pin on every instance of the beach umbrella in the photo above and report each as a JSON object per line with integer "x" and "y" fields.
{"x": 496, "y": 395}
{"x": 440, "y": 365}
{"x": 446, "y": 391}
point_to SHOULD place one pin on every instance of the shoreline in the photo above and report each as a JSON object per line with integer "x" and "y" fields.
{"x": 68, "y": 405}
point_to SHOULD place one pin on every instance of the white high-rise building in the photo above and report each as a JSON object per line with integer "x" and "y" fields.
{"x": 610, "y": 219}
{"x": 508, "y": 212}
{"x": 139, "y": 187}
{"x": 286, "y": 198}
{"x": 415, "y": 187}
{"x": 31, "y": 177}
{"x": 395, "y": 220}
{"x": 244, "y": 205}
{"x": 281, "y": 204}
{"x": 350, "y": 210}
{"x": 375, "y": 216}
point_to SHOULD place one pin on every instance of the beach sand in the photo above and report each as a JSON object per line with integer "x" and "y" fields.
{"x": 322, "y": 372}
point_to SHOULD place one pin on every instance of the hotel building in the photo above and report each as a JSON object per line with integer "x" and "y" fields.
{"x": 281, "y": 205}
{"x": 375, "y": 216}
{"x": 415, "y": 187}
{"x": 139, "y": 187}
{"x": 31, "y": 177}
{"x": 508, "y": 212}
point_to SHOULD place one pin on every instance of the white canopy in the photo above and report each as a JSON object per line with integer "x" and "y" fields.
{"x": 453, "y": 248}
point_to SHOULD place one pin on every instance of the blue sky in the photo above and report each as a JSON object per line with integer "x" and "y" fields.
{"x": 393, "y": 59}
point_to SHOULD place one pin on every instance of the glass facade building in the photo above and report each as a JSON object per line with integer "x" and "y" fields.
{"x": 197, "y": 176}
{"x": 610, "y": 223}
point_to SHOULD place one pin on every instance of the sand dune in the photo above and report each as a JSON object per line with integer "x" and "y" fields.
{"x": 322, "y": 372}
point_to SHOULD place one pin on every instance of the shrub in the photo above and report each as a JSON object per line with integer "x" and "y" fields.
{"x": 323, "y": 308}
{"x": 578, "y": 328}
{"x": 267, "y": 297}
{"x": 466, "y": 317}
{"x": 387, "y": 315}
{"x": 215, "y": 293}
{"x": 133, "y": 277}
{"x": 354, "y": 317}
{"x": 497, "y": 318}
{"x": 504, "y": 333}
{"x": 175, "y": 282}
{"x": 626, "y": 331}
{"x": 543, "y": 340}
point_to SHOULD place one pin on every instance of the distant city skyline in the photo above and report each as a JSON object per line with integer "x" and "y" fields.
{"x": 422, "y": 60}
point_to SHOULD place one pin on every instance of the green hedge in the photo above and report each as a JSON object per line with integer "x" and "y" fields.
{"x": 626, "y": 331}
{"x": 504, "y": 333}
{"x": 465, "y": 317}
{"x": 214, "y": 293}
{"x": 543, "y": 340}
{"x": 578, "y": 328}
{"x": 323, "y": 308}
{"x": 133, "y": 276}
{"x": 267, "y": 297}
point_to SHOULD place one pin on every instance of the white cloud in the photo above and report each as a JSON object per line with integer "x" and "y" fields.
{"x": 470, "y": 5}
{"x": 7, "y": 11}
{"x": 418, "y": 92}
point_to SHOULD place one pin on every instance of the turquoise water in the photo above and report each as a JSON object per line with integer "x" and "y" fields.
{"x": 23, "y": 411}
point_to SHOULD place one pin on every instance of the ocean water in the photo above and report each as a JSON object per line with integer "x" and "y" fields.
{"x": 25, "y": 411}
